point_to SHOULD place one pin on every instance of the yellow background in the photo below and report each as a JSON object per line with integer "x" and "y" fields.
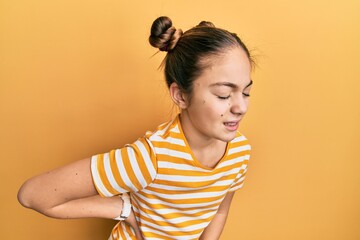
{"x": 77, "y": 78}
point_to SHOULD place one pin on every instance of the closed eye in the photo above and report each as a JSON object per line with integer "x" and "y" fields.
{"x": 223, "y": 98}
{"x": 246, "y": 95}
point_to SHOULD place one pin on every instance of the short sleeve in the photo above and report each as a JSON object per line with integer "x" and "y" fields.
{"x": 128, "y": 169}
{"x": 239, "y": 180}
{"x": 243, "y": 150}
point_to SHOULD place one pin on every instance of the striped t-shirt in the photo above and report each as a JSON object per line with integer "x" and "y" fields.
{"x": 173, "y": 195}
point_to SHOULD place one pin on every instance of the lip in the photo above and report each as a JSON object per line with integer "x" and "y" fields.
{"x": 231, "y": 125}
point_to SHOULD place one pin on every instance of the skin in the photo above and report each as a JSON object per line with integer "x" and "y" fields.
{"x": 218, "y": 98}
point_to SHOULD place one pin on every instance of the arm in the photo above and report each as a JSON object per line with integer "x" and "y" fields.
{"x": 214, "y": 229}
{"x": 68, "y": 192}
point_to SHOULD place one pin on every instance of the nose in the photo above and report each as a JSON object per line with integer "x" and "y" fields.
{"x": 239, "y": 105}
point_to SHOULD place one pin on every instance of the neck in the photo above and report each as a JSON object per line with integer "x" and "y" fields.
{"x": 197, "y": 140}
{"x": 208, "y": 151}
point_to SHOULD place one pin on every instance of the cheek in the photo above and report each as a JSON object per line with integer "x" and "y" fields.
{"x": 217, "y": 109}
{"x": 209, "y": 107}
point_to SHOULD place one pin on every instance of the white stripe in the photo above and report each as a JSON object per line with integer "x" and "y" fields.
{"x": 132, "y": 230}
{"x": 110, "y": 175}
{"x": 135, "y": 166}
{"x": 233, "y": 161}
{"x": 175, "y": 129}
{"x": 175, "y": 141}
{"x": 146, "y": 229}
{"x": 239, "y": 139}
{"x": 173, "y": 210}
{"x": 241, "y": 179}
{"x": 239, "y": 149}
{"x": 237, "y": 187}
{"x": 173, "y": 153}
{"x": 164, "y": 164}
{"x": 161, "y": 132}
{"x": 186, "y": 196}
{"x": 176, "y": 229}
{"x": 184, "y": 178}
{"x": 238, "y": 180}
{"x": 114, "y": 235}
{"x": 94, "y": 170}
{"x": 144, "y": 153}
{"x": 177, "y": 220}
{"x": 127, "y": 236}
{"x": 122, "y": 170}
{"x": 153, "y": 238}
{"x": 222, "y": 183}
{"x": 183, "y": 206}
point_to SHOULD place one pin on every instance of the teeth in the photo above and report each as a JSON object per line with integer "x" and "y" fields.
{"x": 230, "y": 124}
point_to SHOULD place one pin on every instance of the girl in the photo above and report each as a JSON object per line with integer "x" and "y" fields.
{"x": 178, "y": 181}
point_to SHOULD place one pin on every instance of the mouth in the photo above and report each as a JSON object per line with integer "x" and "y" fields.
{"x": 232, "y": 126}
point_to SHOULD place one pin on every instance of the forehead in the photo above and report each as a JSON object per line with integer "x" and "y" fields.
{"x": 233, "y": 66}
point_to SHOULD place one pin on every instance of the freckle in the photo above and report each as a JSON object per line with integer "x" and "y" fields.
{"x": 55, "y": 189}
{"x": 222, "y": 115}
{"x": 75, "y": 173}
{"x": 204, "y": 102}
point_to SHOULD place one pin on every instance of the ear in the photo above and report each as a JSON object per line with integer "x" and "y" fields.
{"x": 178, "y": 96}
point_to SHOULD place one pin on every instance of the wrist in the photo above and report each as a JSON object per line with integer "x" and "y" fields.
{"x": 126, "y": 207}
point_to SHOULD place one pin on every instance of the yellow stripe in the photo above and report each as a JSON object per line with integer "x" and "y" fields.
{"x": 121, "y": 231}
{"x": 179, "y": 213}
{"x": 128, "y": 230}
{"x": 130, "y": 172}
{"x": 144, "y": 171}
{"x": 187, "y": 173}
{"x": 102, "y": 174}
{"x": 148, "y": 234}
{"x": 172, "y": 233}
{"x": 161, "y": 206}
{"x": 180, "y": 224}
{"x": 237, "y": 184}
{"x": 194, "y": 184}
{"x": 170, "y": 146}
{"x": 116, "y": 172}
{"x": 210, "y": 189}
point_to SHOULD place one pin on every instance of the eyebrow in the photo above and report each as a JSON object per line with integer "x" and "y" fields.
{"x": 229, "y": 84}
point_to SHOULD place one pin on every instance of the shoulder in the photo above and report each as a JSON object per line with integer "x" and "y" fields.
{"x": 240, "y": 138}
{"x": 239, "y": 144}
{"x": 167, "y": 133}
{"x": 168, "y": 142}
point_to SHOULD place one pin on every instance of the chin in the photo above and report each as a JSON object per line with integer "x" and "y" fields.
{"x": 228, "y": 137}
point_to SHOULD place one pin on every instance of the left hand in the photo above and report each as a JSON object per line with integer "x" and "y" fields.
{"x": 131, "y": 220}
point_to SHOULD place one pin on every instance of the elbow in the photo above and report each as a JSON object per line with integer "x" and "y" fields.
{"x": 24, "y": 196}
{"x": 31, "y": 196}
{"x": 27, "y": 196}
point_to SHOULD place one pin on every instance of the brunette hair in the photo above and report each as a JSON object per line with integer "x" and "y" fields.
{"x": 189, "y": 53}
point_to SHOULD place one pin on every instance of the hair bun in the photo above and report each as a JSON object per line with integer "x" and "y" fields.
{"x": 163, "y": 34}
{"x": 205, "y": 24}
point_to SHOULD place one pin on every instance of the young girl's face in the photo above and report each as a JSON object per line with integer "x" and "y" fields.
{"x": 220, "y": 96}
